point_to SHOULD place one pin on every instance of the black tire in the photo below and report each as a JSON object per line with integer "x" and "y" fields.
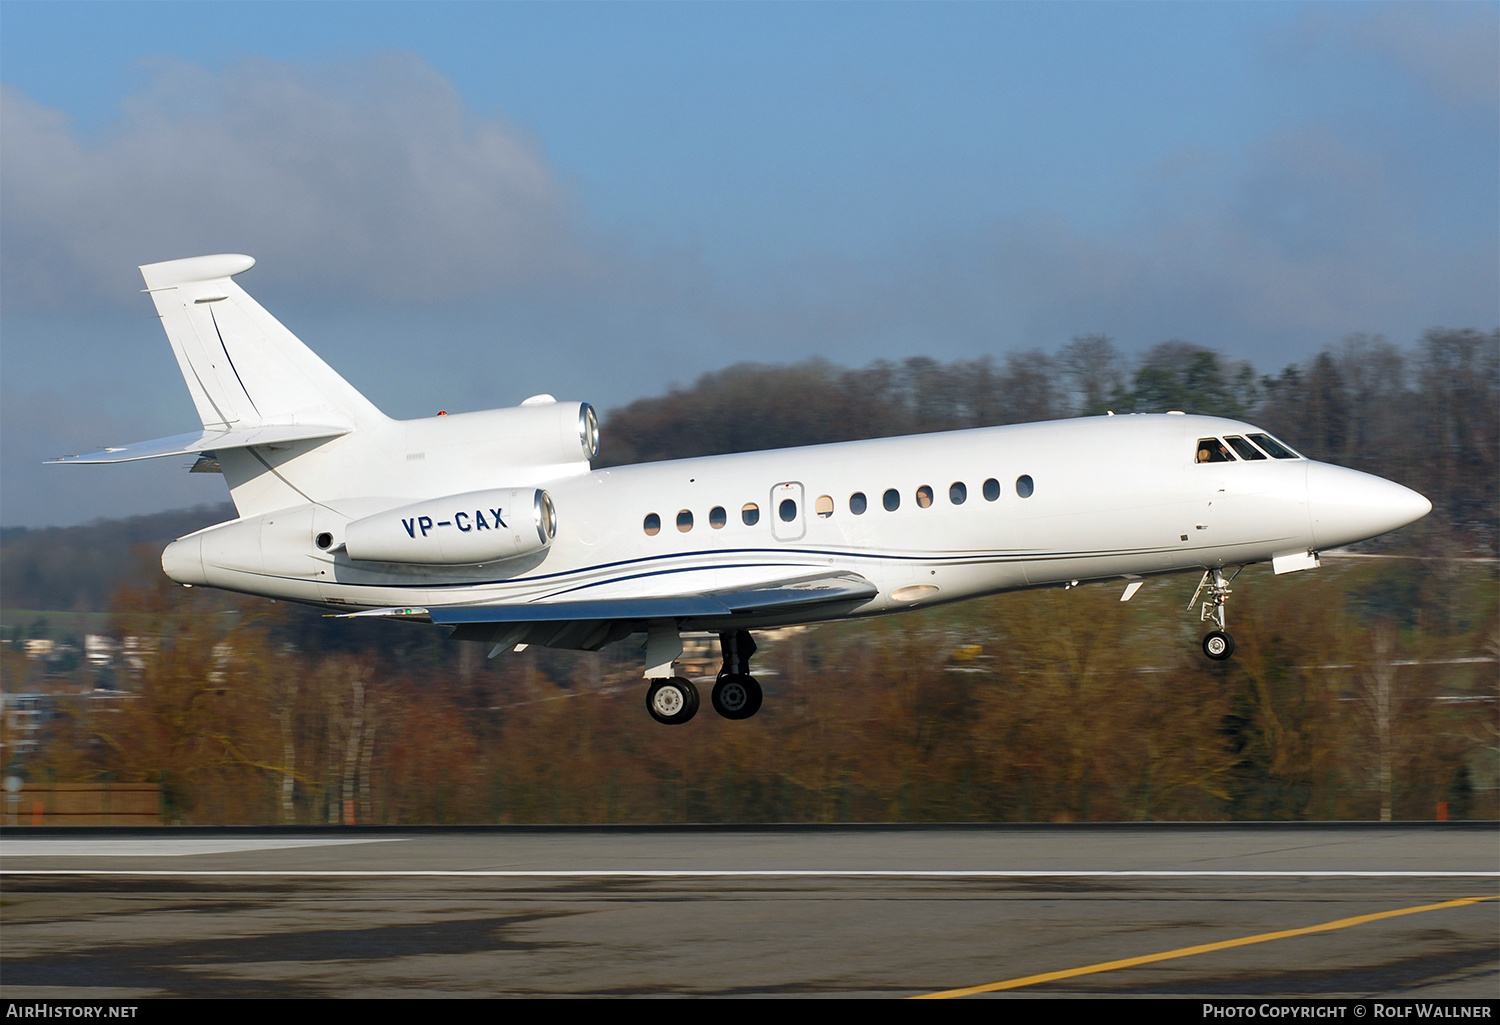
{"x": 672, "y": 702}
{"x": 736, "y": 697}
{"x": 1218, "y": 645}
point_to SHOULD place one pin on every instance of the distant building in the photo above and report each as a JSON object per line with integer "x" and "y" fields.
{"x": 25, "y": 715}
{"x": 99, "y": 649}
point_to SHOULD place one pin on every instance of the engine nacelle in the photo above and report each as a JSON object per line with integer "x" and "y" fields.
{"x": 539, "y": 432}
{"x": 477, "y": 527}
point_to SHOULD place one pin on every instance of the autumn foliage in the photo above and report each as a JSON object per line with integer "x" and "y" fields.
{"x": 1044, "y": 706}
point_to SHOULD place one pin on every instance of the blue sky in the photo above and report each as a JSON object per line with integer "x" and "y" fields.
{"x": 459, "y": 205}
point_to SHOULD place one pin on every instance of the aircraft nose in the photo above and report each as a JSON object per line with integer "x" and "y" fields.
{"x": 1347, "y": 505}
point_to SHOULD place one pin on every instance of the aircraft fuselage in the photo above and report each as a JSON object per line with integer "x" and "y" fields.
{"x": 1109, "y": 497}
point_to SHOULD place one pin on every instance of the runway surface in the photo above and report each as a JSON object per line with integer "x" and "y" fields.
{"x": 1335, "y": 911}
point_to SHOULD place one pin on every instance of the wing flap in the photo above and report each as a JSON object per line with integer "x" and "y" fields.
{"x": 207, "y": 441}
{"x": 824, "y": 589}
{"x": 557, "y": 611}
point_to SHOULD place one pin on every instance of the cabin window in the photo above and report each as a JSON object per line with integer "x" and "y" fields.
{"x": 1024, "y": 486}
{"x": 924, "y": 497}
{"x": 1212, "y": 450}
{"x": 652, "y": 525}
{"x": 787, "y": 510}
{"x": 892, "y": 500}
{"x": 685, "y": 520}
{"x": 1271, "y": 445}
{"x": 717, "y": 517}
{"x": 957, "y": 493}
{"x": 1243, "y": 448}
{"x": 825, "y": 506}
{"x": 858, "y": 504}
{"x": 750, "y": 514}
{"x": 991, "y": 490}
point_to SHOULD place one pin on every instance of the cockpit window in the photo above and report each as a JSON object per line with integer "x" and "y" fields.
{"x": 1271, "y": 445}
{"x": 1243, "y": 448}
{"x": 1212, "y": 450}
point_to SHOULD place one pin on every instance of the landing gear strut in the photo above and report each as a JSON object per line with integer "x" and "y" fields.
{"x": 1217, "y": 645}
{"x": 736, "y": 695}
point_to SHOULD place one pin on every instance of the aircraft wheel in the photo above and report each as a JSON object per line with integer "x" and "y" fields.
{"x": 736, "y": 697}
{"x": 672, "y": 701}
{"x": 1218, "y": 645}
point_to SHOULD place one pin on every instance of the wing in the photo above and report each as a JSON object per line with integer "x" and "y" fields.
{"x": 797, "y": 593}
{"x": 198, "y": 442}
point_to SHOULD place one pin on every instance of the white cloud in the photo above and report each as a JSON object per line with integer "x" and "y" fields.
{"x": 370, "y": 177}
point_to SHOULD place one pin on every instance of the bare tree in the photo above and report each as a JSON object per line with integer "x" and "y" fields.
{"x": 1094, "y": 366}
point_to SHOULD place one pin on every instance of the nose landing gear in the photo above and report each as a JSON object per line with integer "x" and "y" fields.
{"x": 1218, "y": 644}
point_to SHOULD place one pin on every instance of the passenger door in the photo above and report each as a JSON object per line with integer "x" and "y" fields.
{"x": 788, "y": 512}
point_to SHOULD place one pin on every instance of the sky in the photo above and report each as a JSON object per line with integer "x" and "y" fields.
{"x": 460, "y": 205}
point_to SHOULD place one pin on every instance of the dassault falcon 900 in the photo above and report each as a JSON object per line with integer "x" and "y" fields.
{"x": 493, "y": 525}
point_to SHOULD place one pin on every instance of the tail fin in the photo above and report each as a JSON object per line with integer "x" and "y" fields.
{"x": 243, "y": 368}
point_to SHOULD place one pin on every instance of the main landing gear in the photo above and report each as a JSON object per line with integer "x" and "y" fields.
{"x": 736, "y": 695}
{"x": 1217, "y": 645}
{"x": 673, "y": 700}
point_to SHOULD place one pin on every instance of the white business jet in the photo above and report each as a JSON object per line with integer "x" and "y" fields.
{"x": 493, "y": 525}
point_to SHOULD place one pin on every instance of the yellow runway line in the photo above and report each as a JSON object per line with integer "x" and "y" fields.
{"x": 1204, "y": 948}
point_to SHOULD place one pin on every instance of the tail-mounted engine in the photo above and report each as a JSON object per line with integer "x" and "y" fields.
{"x": 540, "y": 432}
{"x": 478, "y": 527}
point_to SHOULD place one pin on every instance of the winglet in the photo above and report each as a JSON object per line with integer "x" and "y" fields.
{"x": 171, "y": 273}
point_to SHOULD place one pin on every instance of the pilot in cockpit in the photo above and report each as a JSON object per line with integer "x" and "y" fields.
{"x": 1212, "y": 450}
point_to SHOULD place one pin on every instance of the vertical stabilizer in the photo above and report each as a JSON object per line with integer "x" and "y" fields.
{"x": 244, "y": 368}
{"x": 245, "y": 372}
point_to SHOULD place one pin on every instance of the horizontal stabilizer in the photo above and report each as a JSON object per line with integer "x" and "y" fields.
{"x": 207, "y": 441}
{"x": 799, "y": 593}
